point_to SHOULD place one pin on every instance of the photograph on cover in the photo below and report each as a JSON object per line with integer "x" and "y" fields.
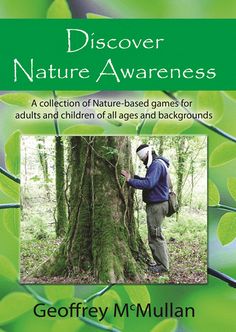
{"x": 113, "y": 209}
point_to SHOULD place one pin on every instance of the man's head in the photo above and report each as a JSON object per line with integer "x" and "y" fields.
{"x": 144, "y": 152}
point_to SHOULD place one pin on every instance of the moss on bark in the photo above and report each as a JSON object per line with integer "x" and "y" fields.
{"x": 61, "y": 215}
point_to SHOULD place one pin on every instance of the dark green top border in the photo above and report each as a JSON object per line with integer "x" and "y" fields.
{"x": 118, "y": 54}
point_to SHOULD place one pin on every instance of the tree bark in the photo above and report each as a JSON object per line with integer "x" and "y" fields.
{"x": 44, "y": 164}
{"x": 102, "y": 237}
{"x": 61, "y": 215}
{"x": 181, "y": 150}
{"x": 161, "y": 146}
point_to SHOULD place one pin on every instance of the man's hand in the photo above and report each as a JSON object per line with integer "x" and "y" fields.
{"x": 126, "y": 175}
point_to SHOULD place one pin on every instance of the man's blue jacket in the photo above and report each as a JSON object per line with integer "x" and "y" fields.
{"x": 155, "y": 183}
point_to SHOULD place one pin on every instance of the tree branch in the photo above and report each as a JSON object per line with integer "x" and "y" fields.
{"x": 9, "y": 206}
{"x": 208, "y": 126}
{"x": 224, "y": 207}
{"x": 101, "y": 292}
{"x": 36, "y": 295}
{"x": 231, "y": 282}
{"x": 10, "y": 176}
{"x": 56, "y": 125}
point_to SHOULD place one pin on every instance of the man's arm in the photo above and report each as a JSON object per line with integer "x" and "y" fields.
{"x": 149, "y": 181}
{"x": 138, "y": 177}
{"x": 127, "y": 175}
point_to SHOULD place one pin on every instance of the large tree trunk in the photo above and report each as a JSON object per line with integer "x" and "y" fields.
{"x": 61, "y": 217}
{"x": 102, "y": 237}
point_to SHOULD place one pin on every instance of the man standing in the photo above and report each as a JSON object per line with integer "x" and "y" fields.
{"x": 155, "y": 194}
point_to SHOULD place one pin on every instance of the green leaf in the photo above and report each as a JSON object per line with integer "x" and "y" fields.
{"x": 12, "y": 152}
{"x": 230, "y": 94}
{"x": 59, "y": 9}
{"x": 55, "y": 293}
{"x": 69, "y": 324}
{"x": 9, "y": 187}
{"x": 115, "y": 123}
{"x": 167, "y": 126}
{"x": 84, "y": 130}
{"x": 214, "y": 195}
{"x": 167, "y": 325}
{"x": 15, "y": 305}
{"x": 138, "y": 294}
{"x": 95, "y": 16}
{"x": 223, "y": 154}
{"x": 11, "y": 219}
{"x": 211, "y": 101}
{"x": 171, "y": 126}
{"x": 17, "y": 99}
{"x": 226, "y": 229}
{"x": 75, "y": 93}
{"x": 7, "y": 269}
{"x": 156, "y": 95}
{"x": 231, "y": 184}
{"x": 109, "y": 299}
{"x": 9, "y": 244}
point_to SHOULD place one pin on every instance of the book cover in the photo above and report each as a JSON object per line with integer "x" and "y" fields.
{"x": 117, "y": 166}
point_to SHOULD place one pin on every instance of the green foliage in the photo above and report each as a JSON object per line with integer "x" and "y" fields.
{"x": 7, "y": 269}
{"x": 12, "y": 153}
{"x": 14, "y": 305}
{"x": 59, "y": 9}
{"x": 23, "y": 9}
{"x": 8, "y": 243}
{"x": 35, "y": 228}
{"x": 109, "y": 151}
{"x": 109, "y": 299}
{"x": 17, "y": 99}
{"x": 141, "y": 295}
{"x": 162, "y": 280}
{"x": 171, "y": 127}
{"x": 115, "y": 123}
{"x": 9, "y": 187}
{"x": 214, "y": 195}
{"x": 67, "y": 324}
{"x": 55, "y": 293}
{"x": 230, "y": 94}
{"x": 35, "y": 178}
{"x": 33, "y": 250}
{"x": 223, "y": 154}
{"x": 231, "y": 184}
{"x": 211, "y": 101}
{"x": 11, "y": 219}
{"x": 167, "y": 325}
{"x": 74, "y": 93}
{"x": 95, "y": 16}
{"x": 226, "y": 229}
{"x": 84, "y": 130}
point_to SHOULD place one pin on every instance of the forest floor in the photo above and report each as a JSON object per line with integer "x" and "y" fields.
{"x": 187, "y": 245}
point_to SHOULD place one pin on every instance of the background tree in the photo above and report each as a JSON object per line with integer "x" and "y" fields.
{"x": 161, "y": 145}
{"x": 42, "y": 154}
{"x": 182, "y": 148}
{"x": 61, "y": 215}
